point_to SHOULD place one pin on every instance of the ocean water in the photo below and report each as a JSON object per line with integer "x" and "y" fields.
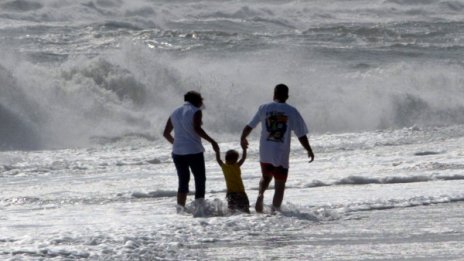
{"x": 86, "y": 87}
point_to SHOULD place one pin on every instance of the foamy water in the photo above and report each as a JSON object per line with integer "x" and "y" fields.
{"x": 86, "y": 87}
{"x": 394, "y": 195}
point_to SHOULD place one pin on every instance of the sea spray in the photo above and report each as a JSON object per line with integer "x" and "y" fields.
{"x": 126, "y": 65}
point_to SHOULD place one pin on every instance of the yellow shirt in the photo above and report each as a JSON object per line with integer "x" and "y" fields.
{"x": 233, "y": 174}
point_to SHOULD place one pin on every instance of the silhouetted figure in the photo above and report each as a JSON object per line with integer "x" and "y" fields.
{"x": 187, "y": 150}
{"x": 237, "y": 199}
{"x": 277, "y": 120}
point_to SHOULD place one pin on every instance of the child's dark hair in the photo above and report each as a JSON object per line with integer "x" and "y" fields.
{"x": 232, "y": 155}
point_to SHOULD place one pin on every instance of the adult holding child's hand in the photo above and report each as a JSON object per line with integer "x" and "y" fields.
{"x": 278, "y": 120}
{"x": 187, "y": 149}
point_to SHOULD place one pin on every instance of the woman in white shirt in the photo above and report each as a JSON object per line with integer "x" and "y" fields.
{"x": 187, "y": 151}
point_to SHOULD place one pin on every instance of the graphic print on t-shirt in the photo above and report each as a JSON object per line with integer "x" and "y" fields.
{"x": 276, "y": 125}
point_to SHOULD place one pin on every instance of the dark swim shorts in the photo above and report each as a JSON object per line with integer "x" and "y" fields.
{"x": 269, "y": 170}
{"x": 238, "y": 201}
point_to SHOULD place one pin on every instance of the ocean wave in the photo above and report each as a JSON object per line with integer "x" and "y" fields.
{"x": 309, "y": 213}
{"x": 17, "y": 129}
{"x": 155, "y": 194}
{"x": 116, "y": 25}
{"x": 50, "y": 202}
{"x": 427, "y": 153}
{"x": 21, "y": 5}
{"x": 15, "y": 133}
{"x": 414, "y": 35}
{"x": 94, "y": 199}
{"x": 411, "y": 109}
{"x": 411, "y": 2}
{"x": 358, "y": 180}
{"x": 361, "y": 180}
{"x": 129, "y": 137}
{"x": 44, "y": 168}
{"x": 453, "y": 5}
{"x": 50, "y": 252}
{"x": 243, "y": 12}
{"x": 113, "y": 79}
{"x": 329, "y": 213}
{"x": 402, "y": 203}
{"x": 344, "y": 211}
{"x": 20, "y": 201}
{"x": 347, "y": 31}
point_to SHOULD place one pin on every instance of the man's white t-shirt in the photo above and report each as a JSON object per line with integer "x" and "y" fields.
{"x": 186, "y": 139}
{"x": 278, "y": 120}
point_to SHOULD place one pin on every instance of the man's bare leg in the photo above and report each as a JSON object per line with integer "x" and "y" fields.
{"x": 278, "y": 194}
{"x": 263, "y": 185}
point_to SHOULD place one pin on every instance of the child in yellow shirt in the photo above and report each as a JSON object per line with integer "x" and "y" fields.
{"x": 237, "y": 199}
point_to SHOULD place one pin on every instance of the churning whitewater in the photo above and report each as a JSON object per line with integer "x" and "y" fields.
{"x": 87, "y": 86}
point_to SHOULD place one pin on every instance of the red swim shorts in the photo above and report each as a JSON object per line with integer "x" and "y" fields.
{"x": 279, "y": 173}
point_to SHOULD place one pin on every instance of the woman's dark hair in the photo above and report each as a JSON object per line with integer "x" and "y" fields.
{"x": 194, "y": 98}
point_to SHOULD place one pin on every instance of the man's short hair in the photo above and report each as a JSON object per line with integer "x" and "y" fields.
{"x": 193, "y": 97}
{"x": 281, "y": 91}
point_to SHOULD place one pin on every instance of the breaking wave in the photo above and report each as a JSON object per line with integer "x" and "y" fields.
{"x": 404, "y": 203}
{"x": 110, "y": 97}
{"x": 360, "y": 180}
{"x": 127, "y": 64}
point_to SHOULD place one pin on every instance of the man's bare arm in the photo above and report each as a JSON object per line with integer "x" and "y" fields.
{"x": 305, "y": 143}
{"x": 243, "y": 138}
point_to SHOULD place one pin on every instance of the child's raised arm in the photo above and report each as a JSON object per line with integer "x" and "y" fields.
{"x": 218, "y": 158}
{"x": 244, "y": 155}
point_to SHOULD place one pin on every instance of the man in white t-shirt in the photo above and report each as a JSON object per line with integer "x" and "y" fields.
{"x": 187, "y": 150}
{"x": 278, "y": 120}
